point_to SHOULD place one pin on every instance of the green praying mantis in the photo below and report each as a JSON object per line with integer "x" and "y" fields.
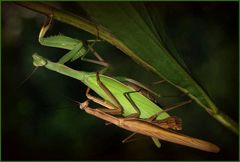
{"x": 77, "y": 49}
{"x": 116, "y": 97}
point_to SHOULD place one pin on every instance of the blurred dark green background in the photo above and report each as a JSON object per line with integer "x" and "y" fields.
{"x": 40, "y": 122}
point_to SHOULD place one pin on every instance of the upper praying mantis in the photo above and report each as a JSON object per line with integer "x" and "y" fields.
{"x": 117, "y": 98}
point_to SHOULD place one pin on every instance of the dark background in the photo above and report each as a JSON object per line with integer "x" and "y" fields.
{"x": 40, "y": 122}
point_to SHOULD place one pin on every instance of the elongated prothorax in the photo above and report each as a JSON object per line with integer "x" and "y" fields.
{"x": 40, "y": 61}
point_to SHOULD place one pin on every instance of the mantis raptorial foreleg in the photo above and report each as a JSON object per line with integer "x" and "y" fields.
{"x": 78, "y": 48}
{"x": 108, "y": 107}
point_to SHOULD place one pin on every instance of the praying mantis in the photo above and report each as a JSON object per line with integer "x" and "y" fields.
{"x": 118, "y": 98}
{"x": 77, "y": 50}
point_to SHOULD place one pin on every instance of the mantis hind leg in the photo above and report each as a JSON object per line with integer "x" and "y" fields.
{"x": 128, "y": 97}
{"x": 154, "y": 117}
{"x": 171, "y": 122}
{"x": 129, "y": 138}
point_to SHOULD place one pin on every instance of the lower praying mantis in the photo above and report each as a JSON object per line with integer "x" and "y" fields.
{"x": 115, "y": 102}
{"x": 142, "y": 127}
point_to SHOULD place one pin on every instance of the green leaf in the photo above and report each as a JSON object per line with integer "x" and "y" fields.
{"x": 133, "y": 27}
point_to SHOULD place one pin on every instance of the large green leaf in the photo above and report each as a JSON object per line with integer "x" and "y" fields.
{"x": 132, "y": 26}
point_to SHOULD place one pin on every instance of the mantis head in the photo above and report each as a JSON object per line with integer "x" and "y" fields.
{"x": 38, "y": 60}
{"x": 84, "y": 104}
